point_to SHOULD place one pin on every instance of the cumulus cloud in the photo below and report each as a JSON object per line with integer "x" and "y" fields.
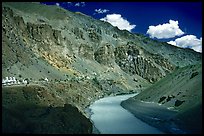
{"x": 77, "y": 4}
{"x": 80, "y": 4}
{"x": 188, "y": 41}
{"x": 119, "y": 21}
{"x": 167, "y": 30}
{"x": 101, "y": 11}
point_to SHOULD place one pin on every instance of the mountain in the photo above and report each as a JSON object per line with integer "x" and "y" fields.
{"x": 70, "y": 60}
{"x": 179, "y": 95}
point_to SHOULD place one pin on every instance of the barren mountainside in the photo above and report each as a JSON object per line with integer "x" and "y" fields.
{"x": 180, "y": 92}
{"x": 48, "y": 32}
{"x": 83, "y": 59}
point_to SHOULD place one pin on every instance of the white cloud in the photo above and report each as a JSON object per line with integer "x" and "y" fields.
{"x": 80, "y": 4}
{"x": 119, "y": 21}
{"x": 57, "y": 4}
{"x": 188, "y": 41}
{"x": 168, "y": 30}
{"x": 101, "y": 11}
{"x": 83, "y": 3}
{"x": 77, "y": 4}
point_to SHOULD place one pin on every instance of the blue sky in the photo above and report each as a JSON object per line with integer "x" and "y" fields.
{"x": 178, "y": 23}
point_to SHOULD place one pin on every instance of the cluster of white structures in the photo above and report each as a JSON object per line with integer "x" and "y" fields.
{"x": 13, "y": 81}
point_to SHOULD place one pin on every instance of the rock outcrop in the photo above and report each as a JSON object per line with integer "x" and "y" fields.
{"x": 135, "y": 60}
{"x": 105, "y": 54}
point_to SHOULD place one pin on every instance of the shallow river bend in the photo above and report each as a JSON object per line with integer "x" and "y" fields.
{"x": 111, "y": 118}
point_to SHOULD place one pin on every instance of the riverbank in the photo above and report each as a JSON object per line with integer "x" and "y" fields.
{"x": 180, "y": 91}
{"x": 154, "y": 114}
{"x": 165, "y": 119}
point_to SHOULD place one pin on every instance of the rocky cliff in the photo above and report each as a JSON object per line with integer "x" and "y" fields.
{"x": 83, "y": 58}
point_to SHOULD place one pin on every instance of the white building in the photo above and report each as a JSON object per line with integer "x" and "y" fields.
{"x": 25, "y": 81}
{"x": 3, "y": 82}
{"x": 46, "y": 79}
{"x": 9, "y": 81}
{"x": 14, "y": 80}
{"x": 18, "y": 82}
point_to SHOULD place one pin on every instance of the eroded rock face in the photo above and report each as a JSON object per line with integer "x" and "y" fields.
{"x": 105, "y": 54}
{"x": 133, "y": 60}
{"x": 44, "y": 33}
{"x": 86, "y": 51}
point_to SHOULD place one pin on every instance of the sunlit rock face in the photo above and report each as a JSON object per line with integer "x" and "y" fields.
{"x": 135, "y": 60}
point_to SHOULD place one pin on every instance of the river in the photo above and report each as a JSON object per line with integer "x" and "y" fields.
{"x": 109, "y": 117}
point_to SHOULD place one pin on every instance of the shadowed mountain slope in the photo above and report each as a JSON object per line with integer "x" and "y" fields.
{"x": 181, "y": 92}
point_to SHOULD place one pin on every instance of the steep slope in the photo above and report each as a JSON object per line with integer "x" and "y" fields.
{"x": 180, "y": 93}
{"x": 51, "y": 37}
{"x": 47, "y": 108}
{"x": 83, "y": 59}
{"x": 40, "y": 48}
